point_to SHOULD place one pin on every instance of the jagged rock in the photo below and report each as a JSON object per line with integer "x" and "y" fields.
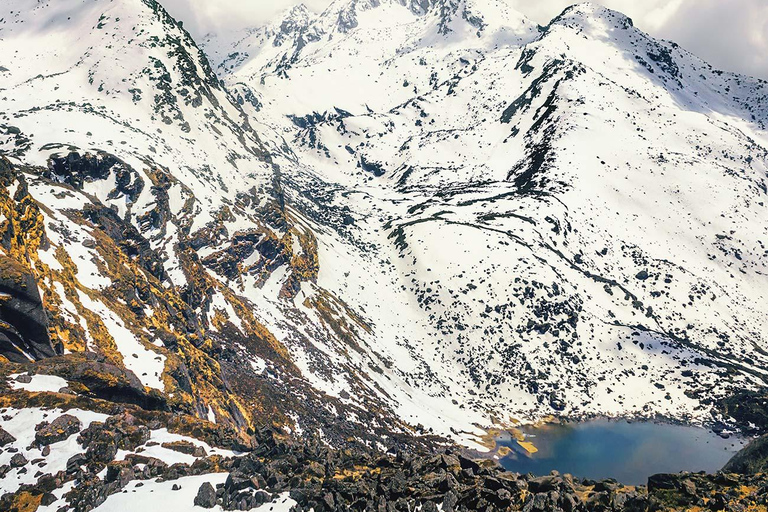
{"x": 753, "y": 458}
{"x": 103, "y": 449}
{"x": 47, "y": 499}
{"x": 75, "y": 462}
{"x": 237, "y": 481}
{"x": 153, "y": 466}
{"x": 102, "y": 440}
{"x": 206, "y": 496}
{"x": 91, "y": 493}
{"x": 49, "y": 483}
{"x": 58, "y": 430}
{"x": 448, "y": 461}
{"x": 23, "y": 320}
{"x": 120, "y": 472}
{"x": 608, "y": 485}
{"x": 449, "y": 501}
{"x": 545, "y": 483}
{"x": 18, "y": 461}
{"x": 127, "y": 237}
{"x": 429, "y": 506}
{"x": 5, "y": 437}
{"x": 662, "y": 481}
{"x": 109, "y": 382}
{"x": 468, "y": 464}
{"x": 186, "y": 447}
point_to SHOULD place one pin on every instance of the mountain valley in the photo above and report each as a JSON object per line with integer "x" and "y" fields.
{"x": 347, "y": 249}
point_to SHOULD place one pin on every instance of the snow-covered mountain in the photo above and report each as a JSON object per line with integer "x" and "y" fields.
{"x": 276, "y": 265}
{"x": 142, "y": 203}
{"x": 566, "y": 219}
{"x": 390, "y": 217}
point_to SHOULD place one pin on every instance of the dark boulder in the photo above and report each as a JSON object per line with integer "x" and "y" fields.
{"x": 662, "y": 482}
{"x": 237, "y": 481}
{"x": 545, "y": 483}
{"x": 18, "y": 461}
{"x": 109, "y": 382}
{"x": 75, "y": 462}
{"x": 58, "y": 430}
{"x": 120, "y": 472}
{"x": 5, "y": 437}
{"x": 450, "y": 501}
{"x": 47, "y": 499}
{"x": 186, "y": 447}
{"x": 470, "y": 464}
{"x": 76, "y": 170}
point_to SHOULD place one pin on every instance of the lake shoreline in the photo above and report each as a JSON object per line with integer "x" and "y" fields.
{"x": 629, "y": 450}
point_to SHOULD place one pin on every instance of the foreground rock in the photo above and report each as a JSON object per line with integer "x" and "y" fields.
{"x": 206, "y": 496}
{"x": 23, "y": 321}
{"x": 58, "y": 430}
{"x": 321, "y": 478}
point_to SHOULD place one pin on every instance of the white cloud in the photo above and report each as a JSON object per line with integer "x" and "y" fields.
{"x": 729, "y": 34}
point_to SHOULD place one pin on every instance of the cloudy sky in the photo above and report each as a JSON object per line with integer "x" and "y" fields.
{"x": 729, "y": 34}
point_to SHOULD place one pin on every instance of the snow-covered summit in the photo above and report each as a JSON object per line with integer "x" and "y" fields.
{"x": 140, "y": 199}
{"x": 396, "y": 26}
{"x": 609, "y": 43}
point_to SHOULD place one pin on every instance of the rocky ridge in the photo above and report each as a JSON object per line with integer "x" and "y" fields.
{"x": 84, "y": 461}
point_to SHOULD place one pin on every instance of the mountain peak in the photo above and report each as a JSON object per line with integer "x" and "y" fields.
{"x": 344, "y": 13}
{"x": 479, "y": 15}
{"x": 589, "y": 13}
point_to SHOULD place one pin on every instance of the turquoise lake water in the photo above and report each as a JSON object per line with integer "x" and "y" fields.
{"x": 628, "y": 451}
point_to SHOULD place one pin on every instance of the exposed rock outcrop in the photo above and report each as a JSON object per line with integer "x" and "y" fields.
{"x": 752, "y": 459}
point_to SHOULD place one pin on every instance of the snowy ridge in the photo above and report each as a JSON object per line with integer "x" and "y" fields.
{"x": 290, "y": 275}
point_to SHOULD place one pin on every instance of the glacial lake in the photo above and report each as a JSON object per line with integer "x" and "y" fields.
{"x": 628, "y": 451}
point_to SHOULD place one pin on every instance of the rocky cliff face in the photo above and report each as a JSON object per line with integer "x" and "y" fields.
{"x": 23, "y": 319}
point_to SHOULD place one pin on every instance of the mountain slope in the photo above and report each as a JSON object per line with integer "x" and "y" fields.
{"x": 360, "y": 235}
{"x": 141, "y": 202}
{"x": 404, "y": 218}
{"x": 567, "y": 219}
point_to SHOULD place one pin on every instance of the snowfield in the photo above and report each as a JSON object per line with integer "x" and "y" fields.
{"x": 559, "y": 219}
